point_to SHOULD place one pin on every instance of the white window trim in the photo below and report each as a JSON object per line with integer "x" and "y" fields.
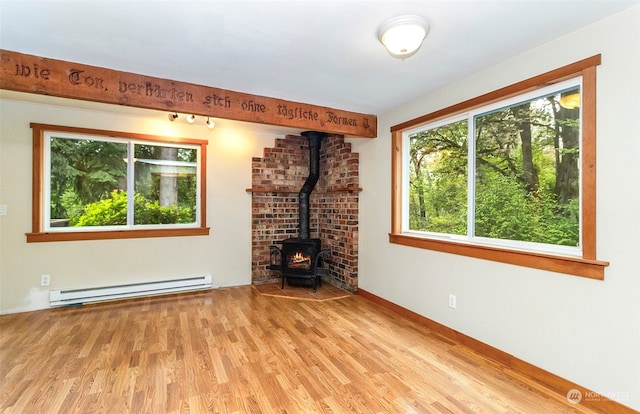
{"x": 130, "y": 183}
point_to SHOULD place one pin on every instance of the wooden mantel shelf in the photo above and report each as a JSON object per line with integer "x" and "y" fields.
{"x": 289, "y": 190}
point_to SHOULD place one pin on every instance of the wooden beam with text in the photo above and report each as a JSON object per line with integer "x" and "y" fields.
{"x": 39, "y": 75}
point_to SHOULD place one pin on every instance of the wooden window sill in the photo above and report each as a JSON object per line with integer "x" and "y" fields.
{"x": 593, "y": 269}
{"x": 115, "y": 234}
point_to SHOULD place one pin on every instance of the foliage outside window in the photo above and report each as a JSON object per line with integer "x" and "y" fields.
{"x": 525, "y": 187}
{"x": 104, "y": 184}
{"x": 502, "y": 177}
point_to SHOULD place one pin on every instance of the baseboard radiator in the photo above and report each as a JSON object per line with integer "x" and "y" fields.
{"x": 98, "y": 294}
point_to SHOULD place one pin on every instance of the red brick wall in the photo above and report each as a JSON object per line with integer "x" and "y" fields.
{"x": 276, "y": 180}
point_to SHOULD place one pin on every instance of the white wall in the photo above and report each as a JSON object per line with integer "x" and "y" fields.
{"x": 586, "y": 331}
{"x": 225, "y": 253}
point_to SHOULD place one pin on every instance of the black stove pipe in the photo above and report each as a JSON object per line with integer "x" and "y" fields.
{"x": 315, "y": 140}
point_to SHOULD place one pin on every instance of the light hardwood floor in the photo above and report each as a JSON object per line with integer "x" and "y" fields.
{"x": 236, "y": 350}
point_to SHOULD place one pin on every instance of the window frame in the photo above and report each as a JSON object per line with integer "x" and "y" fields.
{"x": 585, "y": 265}
{"x": 39, "y": 232}
{"x": 470, "y": 117}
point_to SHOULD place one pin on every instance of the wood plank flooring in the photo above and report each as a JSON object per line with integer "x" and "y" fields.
{"x": 235, "y": 350}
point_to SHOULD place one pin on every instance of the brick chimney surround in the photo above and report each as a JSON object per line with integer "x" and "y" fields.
{"x": 278, "y": 176}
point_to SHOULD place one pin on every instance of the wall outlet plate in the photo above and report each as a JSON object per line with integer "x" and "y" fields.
{"x": 45, "y": 280}
{"x": 452, "y": 301}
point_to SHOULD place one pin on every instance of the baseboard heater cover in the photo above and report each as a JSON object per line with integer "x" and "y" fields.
{"x": 98, "y": 294}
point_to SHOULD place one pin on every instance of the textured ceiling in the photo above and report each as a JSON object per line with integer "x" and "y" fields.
{"x": 319, "y": 52}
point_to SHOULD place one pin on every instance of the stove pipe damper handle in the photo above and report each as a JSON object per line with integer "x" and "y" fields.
{"x": 315, "y": 140}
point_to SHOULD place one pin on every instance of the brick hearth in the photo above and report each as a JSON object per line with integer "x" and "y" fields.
{"x": 276, "y": 180}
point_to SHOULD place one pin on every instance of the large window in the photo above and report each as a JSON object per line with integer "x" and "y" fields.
{"x": 509, "y": 176}
{"x": 104, "y": 184}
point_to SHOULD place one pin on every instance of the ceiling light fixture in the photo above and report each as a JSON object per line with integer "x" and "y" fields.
{"x": 192, "y": 119}
{"x": 402, "y": 36}
{"x": 570, "y": 100}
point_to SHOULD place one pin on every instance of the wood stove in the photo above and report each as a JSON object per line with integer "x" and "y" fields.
{"x": 300, "y": 261}
{"x": 302, "y": 258}
{"x": 299, "y": 255}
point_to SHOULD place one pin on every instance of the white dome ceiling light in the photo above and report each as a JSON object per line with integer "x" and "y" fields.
{"x": 402, "y": 36}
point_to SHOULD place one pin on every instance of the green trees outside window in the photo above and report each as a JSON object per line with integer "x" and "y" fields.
{"x": 506, "y": 172}
{"x": 97, "y": 182}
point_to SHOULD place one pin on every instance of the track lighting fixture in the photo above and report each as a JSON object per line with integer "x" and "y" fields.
{"x": 191, "y": 118}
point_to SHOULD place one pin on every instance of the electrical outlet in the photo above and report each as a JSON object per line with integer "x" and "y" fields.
{"x": 45, "y": 280}
{"x": 3, "y": 209}
{"x": 452, "y": 301}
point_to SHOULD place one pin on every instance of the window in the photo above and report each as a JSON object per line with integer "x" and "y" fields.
{"x": 508, "y": 176}
{"x": 91, "y": 184}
